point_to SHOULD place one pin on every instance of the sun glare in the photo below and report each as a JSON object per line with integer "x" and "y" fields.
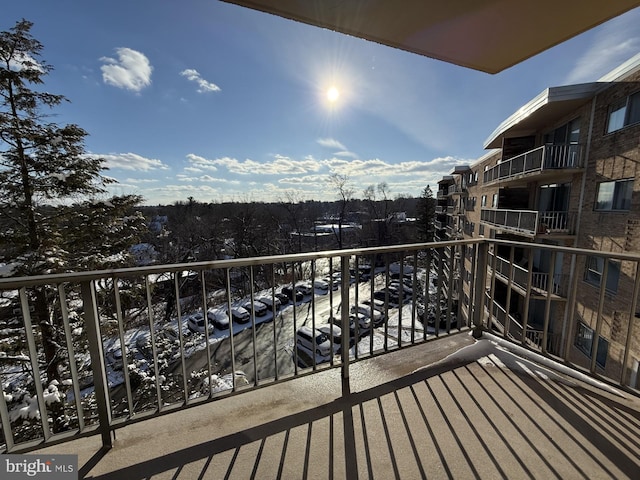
{"x": 333, "y": 94}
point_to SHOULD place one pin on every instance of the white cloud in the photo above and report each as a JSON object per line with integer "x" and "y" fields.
{"x": 141, "y": 180}
{"x": 132, "y": 161}
{"x": 332, "y": 143}
{"x": 203, "y": 85}
{"x": 279, "y": 166}
{"x": 200, "y": 163}
{"x": 131, "y": 70}
{"x": 614, "y": 42}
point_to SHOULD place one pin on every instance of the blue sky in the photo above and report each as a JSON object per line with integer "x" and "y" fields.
{"x": 221, "y": 103}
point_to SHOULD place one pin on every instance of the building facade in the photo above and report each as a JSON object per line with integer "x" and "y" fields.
{"x": 563, "y": 170}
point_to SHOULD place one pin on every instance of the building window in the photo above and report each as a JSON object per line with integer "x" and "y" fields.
{"x": 594, "y": 270}
{"x": 584, "y": 343}
{"x": 494, "y": 201}
{"x": 481, "y": 229}
{"x": 614, "y": 195}
{"x": 624, "y": 112}
{"x": 484, "y": 201}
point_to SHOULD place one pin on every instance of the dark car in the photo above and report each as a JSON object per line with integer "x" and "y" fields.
{"x": 292, "y": 293}
{"x": 284, "y": 299}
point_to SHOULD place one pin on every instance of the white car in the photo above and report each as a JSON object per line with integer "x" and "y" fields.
{"x": 304, "y": 287}
{"x": 272, "y": 304}
{"x": 333, "y": 332}
{"x": 219, "y": 319}
{"x": 367, "y": 310}
{"x": 314, "y": 340}
{"x": 321, "y": 284}
{"x": 239, "y": 315}
{"x": 259, "y": 308}
{"x": 196, "y": 323}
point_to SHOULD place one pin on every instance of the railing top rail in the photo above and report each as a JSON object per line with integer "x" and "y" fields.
{"x": 632, "y": 257}
{"x": 529, "y": 152}
{"x": 508, "y": 210}
{"x": 10, "y": 283}
{"x": 55, "y": 278}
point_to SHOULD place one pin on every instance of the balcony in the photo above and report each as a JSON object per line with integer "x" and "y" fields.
{"x": 456, "y": 189}
{"x": 542, "y": 284}
{"x": 543, "y": 162}
{"x": 384, "y": 405}
{"x": 530, "y": 223}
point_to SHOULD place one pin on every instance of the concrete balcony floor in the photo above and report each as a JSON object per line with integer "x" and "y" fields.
{"x": 415, "y": 413}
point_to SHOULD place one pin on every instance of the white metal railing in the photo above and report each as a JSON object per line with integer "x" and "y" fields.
{"x": 456, "y": 189}
{"x": 521, "y": 221}
{"x": 530, "y": 222}
{"x": 546, "y": 157}
{"x": 522, "y": 277}
{"x": 125, "y": 344}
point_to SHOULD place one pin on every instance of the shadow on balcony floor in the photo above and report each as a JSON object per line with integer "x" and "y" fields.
{"x": 481, "y": 413}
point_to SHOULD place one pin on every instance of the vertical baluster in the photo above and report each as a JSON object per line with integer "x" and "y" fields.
{"x": 630, "y": 325}
{"x": 123, "y": 345}
{"x": 101, "y": 388}
{"x": 64, "y": 312}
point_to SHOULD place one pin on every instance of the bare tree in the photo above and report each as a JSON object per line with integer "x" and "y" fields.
{"x": 345, "y": 193}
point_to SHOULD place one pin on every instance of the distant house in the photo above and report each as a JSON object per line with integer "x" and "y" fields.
{"x": 144, "y": 253}
{"x": 157, "y": 223}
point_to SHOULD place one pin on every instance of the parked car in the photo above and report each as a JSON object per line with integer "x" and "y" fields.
{"x": 259, "y": 308}
{"x": 314, "y": 340}
{"x": 333, "y": 332}
{"x": 293, "y": 295}
{"x": 304, "y": 287}
{"x": 196, "y": 323}
{"x": 284, "y": 299}
{"x": 376, "y": 304}
{"x": 363, "y": 324}
{"x": 320, "y": 284}
{"x": 219, "y": 319}
{"x": 240, "y": 315}
{"x": 370, "y": 312}
{"x": 271, "y": 303}
{"x": 387, "y": 293}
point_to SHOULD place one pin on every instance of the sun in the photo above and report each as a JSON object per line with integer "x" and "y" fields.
{"x": 333, "y": 94}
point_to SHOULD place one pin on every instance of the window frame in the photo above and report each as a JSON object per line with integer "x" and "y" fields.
{"x": 625, "y": 107}
{"x": 615, "y": 200}
{"x": 593, "y": 276}
{"x": 583, "y": 341}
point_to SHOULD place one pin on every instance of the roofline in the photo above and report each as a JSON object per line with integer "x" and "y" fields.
{"x": 566, "y": 93}
{"x": 582, "y": 91}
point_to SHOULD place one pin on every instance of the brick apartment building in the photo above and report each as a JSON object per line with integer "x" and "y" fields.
{"x": 563, "y": 170}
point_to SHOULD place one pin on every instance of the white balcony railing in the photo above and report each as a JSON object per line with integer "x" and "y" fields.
{"x": 547, "y": 157}
{"x": 126, "y": 342}
{"x": 530, "y": 222}
{"x": 539, "y": 280}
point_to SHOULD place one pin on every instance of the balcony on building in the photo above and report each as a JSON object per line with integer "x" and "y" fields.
{"x": 531, "y": 223}
{"x": 542, "y": 164}
{"x": 534, "y": 147}
{"x": 456, "y": 189}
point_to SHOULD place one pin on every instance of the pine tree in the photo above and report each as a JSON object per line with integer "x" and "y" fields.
{"x": 426, "y": 215}
{"x": 55, "y": 214}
